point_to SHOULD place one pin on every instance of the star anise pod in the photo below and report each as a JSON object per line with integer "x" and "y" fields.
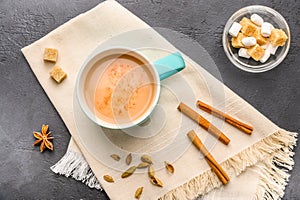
{"x": 43, "y": 138}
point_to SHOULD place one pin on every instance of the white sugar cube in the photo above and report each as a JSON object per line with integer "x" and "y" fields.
{"x": 249, "y": 41}
{"x": 266, "y": 29}
{"x": 272, "y": 49}
{"x": 265, "y": 57}
{"x": 235, "y": 29}
{"x": 243, "y": 53}
{"x": 256, "y": 19}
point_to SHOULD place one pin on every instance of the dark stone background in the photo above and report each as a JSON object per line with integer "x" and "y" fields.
{"x": 25, "y": 173}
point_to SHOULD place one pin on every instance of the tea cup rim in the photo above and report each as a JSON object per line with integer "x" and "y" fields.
{"x": 86, "y": 67}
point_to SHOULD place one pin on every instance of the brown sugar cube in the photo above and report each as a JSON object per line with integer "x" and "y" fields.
{"x": 58, "y": 74}
{"x": 244, "y": 21}
{"x": 248, "y": 28}
{"x": 278, "y": 37}
{"x": 261, "y": 40}
{"x": 50, "y": 55}
{"x": 256, "y": 52}
{"x": 236, "y": 42}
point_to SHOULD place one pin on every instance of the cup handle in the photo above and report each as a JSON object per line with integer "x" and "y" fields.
{"x": 169, "y": 65}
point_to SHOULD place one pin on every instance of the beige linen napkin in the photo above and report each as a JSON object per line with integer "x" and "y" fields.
{"x": 77, "y": 38}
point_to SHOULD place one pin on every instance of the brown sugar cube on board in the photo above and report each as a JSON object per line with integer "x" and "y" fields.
{"x": 50, "y": 55}
{"x": 278, "y": 37}
{"x": 248, "y": 28}
{"x": 236, "y": 42}
{"x": 58, "y": 74}
{"x": 261, "y": 40}
{"x": 256, "y": 52}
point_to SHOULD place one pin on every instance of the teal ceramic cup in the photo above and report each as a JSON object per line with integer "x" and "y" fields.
{"x": 93, "y": 67}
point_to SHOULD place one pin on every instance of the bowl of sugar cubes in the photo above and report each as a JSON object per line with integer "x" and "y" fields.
{"x": 256, "y": 38}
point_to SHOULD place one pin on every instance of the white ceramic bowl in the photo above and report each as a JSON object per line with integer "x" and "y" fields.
{"x": 250, "y": 65}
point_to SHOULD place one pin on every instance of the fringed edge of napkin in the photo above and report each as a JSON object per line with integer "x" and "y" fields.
{"x": 274, "y": 172}
{"x": 276, "y": 152}
{"x": 278, "y": 147}
{"x": 73, "y": 164}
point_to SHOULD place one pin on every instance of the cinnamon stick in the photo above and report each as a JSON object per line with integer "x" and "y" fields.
{"x": 234, "y": 122}
{"x": 203, "y": 123}
{"x": 217, "y": 172}
{"x": 222, "y": 175}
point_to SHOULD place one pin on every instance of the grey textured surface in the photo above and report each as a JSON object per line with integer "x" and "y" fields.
{"x": 24, "y": 106}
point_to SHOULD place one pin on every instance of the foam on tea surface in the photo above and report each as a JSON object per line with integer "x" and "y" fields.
{"x": 125, "y": 90}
